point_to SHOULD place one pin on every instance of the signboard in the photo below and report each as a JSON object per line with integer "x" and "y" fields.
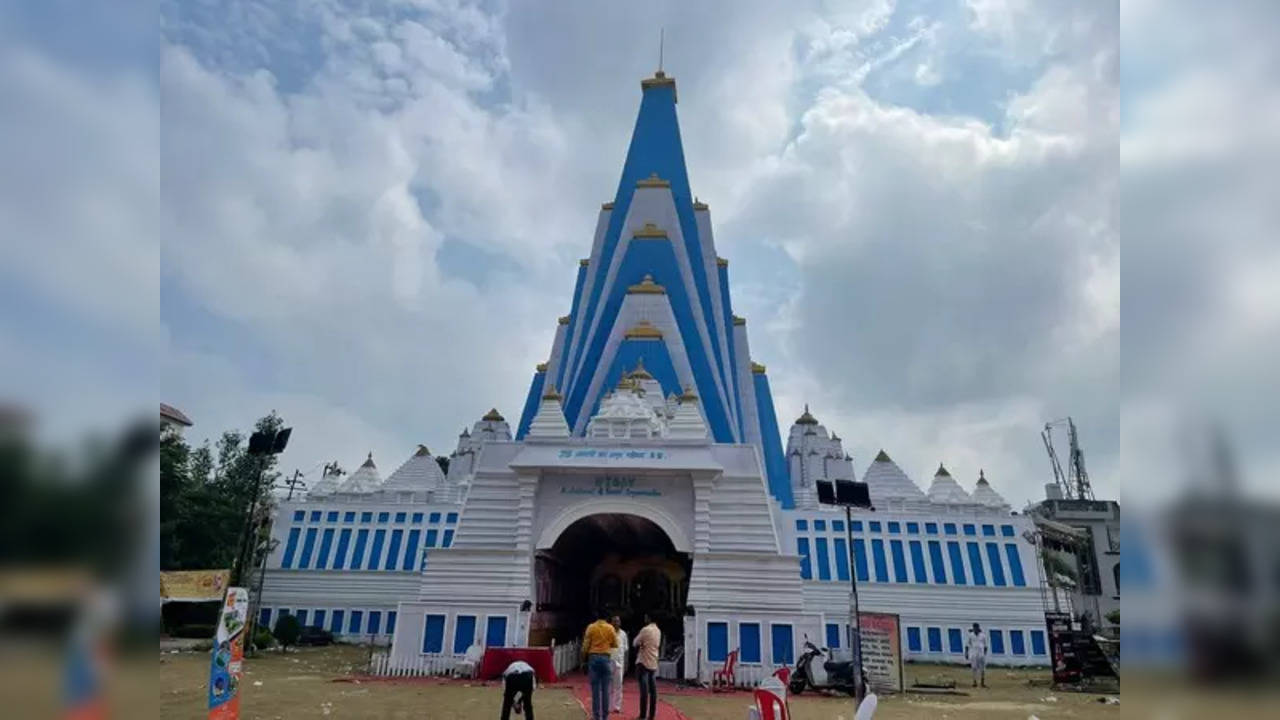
{"x": 611, "y": 486}
{"x": 611, "y": 454}
{"x": 1062, "y": 649}
{"x": 881, "y": 651}
{"x": 194, "y": 585}
{"x": 228, "y": 654}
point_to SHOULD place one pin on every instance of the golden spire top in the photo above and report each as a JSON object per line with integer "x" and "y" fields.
{"x": 982, "y": 477}
{"x": 883, "y": 456}
{"x": 699, "y": 205}
{"x": 493, "y": 416}
{"x": 564, "y": 320}
{"x": 643, "y": 331}
{"x": 422, "y": 450}
{"x": 942, "y": 471}
{"x": 540, "y": 367}
{"x": 688, "y": 394}
{"x": 721, "y": 262}
{"x": 584, "y": 262}
{"x": 739, "y": 320}
{"x": 606, "y": 206}
{"x": 647, "y": 287}
{"x": 806, "y": 418}
{"x": 650, "y": 231}
{"x": 640, "y": 373}
{"x": 368, "y": 461}
{"x": 551, "y": 393}
{"x": 757, "y": 368}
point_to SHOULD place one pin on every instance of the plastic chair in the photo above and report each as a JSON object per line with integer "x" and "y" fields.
{"x": 771, "y": 700}
{"x": 470, "y": 662}
{"x": 783, "y": 674}
{"x": 868, "y": 707}
{"x": 724, "y": 679}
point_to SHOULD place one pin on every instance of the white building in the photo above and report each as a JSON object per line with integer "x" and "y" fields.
{"x": 647, "y": 474}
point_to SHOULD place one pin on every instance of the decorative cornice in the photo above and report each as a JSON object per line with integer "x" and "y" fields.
{"x": 564, "y": 320}
{"x": 739, "y": 320}
{"x": 650, "y": 231}
{"x": 660, "y": 79}
{"x": 541, "y": 367}
{"x": 606, "y": 206}
{"x": 646, "y": 287}
{"x": 653, "y": 181}
{"x": 584, "y": 262}
{"x": 721, "y": 262}
{"x": 757, "y": 368}
{"x": 643, "y": 331}
{"x": 551, "y": 393}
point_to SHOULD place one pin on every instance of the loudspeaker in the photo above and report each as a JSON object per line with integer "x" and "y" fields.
{"x": 282, "y": 439}
{"x": 826, "y": 492}
{"x": 260, "y": 443}
{"x": 524, "y": 606}
{"x": 853, "y": 493}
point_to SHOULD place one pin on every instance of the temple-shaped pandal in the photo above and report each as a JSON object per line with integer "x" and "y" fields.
{"x": 647, "y": 475}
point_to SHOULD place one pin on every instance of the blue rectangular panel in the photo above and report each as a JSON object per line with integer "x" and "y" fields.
{"x": 856, "y": 526}
{"x": 434, "y": 517}
{"x": 495, "y": 631}
{"x": 375, "y": 551}
{"x": 1037, "y": 642}
{"x": 935, "y": 559}
{"x": 749, "y": 642}
{"x": 384, "y": 517}
{"x": 899, "y": 561}
{"x": 464, "y": 633}
{"x": 366, "y": 517}
{"x": 302, "y": 617}
{"x": 717, "y": 642}
{"x": 308, "y": 545}
{"x": 806, "y": 565}
{"x": 957, "y": 563}
{"x": 997, "y": 567}
{"x": 451, "y": 518}
{"x": 400, "y": 517}
{"x": 975, "y": 564}
{"x": 913, "y": 639}
{"x": 989, "y": 530}
{"x": 931, "y": 528}
{"x": 860, "y": 559}
{"x": 335, "y": 621}
{"x": 290, "y": 548}
{"x": 326, "y": 544}
{"x": 1006, "y": 530}
{"x": 783, "y": 645}
{"x": 356, "y": 626}
{"x": 393, "y": 550}
{"x": 833, "y": 635}
{"x": 997, "y": 641}
{"x": 264, "y": 617}
{"x": 417, "y": 519}
{"x": 344, "y": 541}
{"x": 1017, "y": 642}
{"x": 842, "y": 559}
{"x": 349, "y": 517}
{"x": 913, "y": 528}
{"x": 824, "y": 563}
{"x": 411, "y": 551}
{"x": 315, "y": 516}
{"x": 949, "y": 528}
{"x": 332, "y": 516}
{"x": 317, "y": 618}
{"x": 357, "y": 555}
{"x": 969, "y": 529}
{"x": 299, "y": 515}
{"x": 877, "y": 557}
{"x": 802, "y": 525}
{"x": 874, "y": 525}
{"x": 447, "y": 540}
{"x": 375, "y": 622}
{"x": 433, "y": 634}
{"x": 391, "y": 622}
{"x": 935, "y": 639}
{"x": 895, "y": 528}
{"x": 917, "y": 562}
{"x": 432, "y": 536}
{"x": 837, "y": 525}
{"x": 1015, "y": 565}
{"x": 955, "y": 640}
{"x": 820, "y": 525}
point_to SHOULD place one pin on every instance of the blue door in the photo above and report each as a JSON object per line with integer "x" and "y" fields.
{"x": 495, "y": 633}
{"x": 783, "y": 645}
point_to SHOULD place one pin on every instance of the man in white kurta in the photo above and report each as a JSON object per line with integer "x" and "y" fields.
{"x": 619, "y": 657}
{"x": 975, "y": 651}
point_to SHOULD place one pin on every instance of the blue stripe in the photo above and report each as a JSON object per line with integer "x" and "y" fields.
{"x": 935, "y": 559}
{"x": 411, "y": 551}
{"x": 842, "y": 559}
{"x": 877, "y": 556}
{"x": 732, "y": 383}
{"x": 574, "y": 315}
{"x": 917, "y": 562}
{"x": 899, "y": 561}
{"x": 860, "y": 559}
{"x": 290, "y": 548}
{"x": 717, "y": 641}
{"x": 957, "y": 563}
{"x": 344, "y": 539}
{"x": 802, "y": 548}
{"x": 357, "y": 555}
{"x": 824, "y": 564}
{"x": 1015, "y": 565}
{"x": 975, "y": 564}
{"x": 775, "y": 463}
{"x": 393, "y": 550}
{"x": 326, "y": 543}
{"x": 997, "y": 567}
{"x": 531, "y": 404}
{"x": 308, "y": 545}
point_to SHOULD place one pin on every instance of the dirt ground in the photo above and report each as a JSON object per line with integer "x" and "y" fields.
{"x": 302, "y": 684}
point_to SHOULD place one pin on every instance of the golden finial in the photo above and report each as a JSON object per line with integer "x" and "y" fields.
{"x": 643, "y": 331}
{"x": 650, "y": 231}
{"x": 606, "y": 206}
{"x": 493, "y": 416}
{"x": 551, "y": 393}
{"x": 564, "y": 320}
{"x": 540, "y": 367}
{"x": 882, "y": 456}
{"x": 982, "y": 477}
{"x": 721, "y": 262}
{"x": 757, "y": 368}
{"x": 653, "y": 181}
{"x": 647, "y": 287}
{"x": 806, "y": 418}
{"x": 942, "y": 471}
{"x": 698, "y": 205}
{"x": 640, "y": 373}
{"x": 688, "y": 395}
{"x": 584, "y": 262}
{"x": 422, "y": 451}
{"x": 739, "y": 320}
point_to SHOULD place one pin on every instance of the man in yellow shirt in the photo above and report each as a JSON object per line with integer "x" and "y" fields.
{"x": 597, "y": 645}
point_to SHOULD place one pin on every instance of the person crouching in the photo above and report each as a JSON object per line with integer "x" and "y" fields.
{"x": 518, "y": 683}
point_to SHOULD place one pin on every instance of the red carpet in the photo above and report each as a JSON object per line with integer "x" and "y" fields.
{"x": 581, "y": 688}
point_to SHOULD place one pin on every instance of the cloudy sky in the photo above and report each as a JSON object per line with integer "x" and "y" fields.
{"x": 367, "y": 216}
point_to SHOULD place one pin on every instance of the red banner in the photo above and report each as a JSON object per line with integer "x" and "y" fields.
{"x": 228, "y": 655}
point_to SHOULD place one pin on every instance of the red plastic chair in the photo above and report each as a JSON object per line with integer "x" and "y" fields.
{"x": 724, "y": 679}
{"x": 771, "y": 700}
{"x": 783, "y": 674}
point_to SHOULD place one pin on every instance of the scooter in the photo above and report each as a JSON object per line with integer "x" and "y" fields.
{"x": 816, "y": 670}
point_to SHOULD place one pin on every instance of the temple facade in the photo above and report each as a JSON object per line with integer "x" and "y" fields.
{"x": 647, "y": 474}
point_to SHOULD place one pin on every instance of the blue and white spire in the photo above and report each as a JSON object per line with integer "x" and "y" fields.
{"x": 654, "y": 292}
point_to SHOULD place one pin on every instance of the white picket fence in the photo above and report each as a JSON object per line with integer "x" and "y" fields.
{"x": 565, "y": 659}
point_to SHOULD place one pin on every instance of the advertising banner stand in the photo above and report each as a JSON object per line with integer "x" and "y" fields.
{"x": 881, "y": 651}
{"x": 225, "y": 666}
{"x": 1062, "y": 649}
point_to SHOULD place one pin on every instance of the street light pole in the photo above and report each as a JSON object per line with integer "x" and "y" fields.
{"x": 850, "y": 494}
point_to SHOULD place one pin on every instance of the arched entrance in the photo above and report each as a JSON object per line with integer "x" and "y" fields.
{"x": 620, "y": 563}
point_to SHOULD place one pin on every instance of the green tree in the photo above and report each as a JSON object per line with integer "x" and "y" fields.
{"x": 287, "y": 631}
